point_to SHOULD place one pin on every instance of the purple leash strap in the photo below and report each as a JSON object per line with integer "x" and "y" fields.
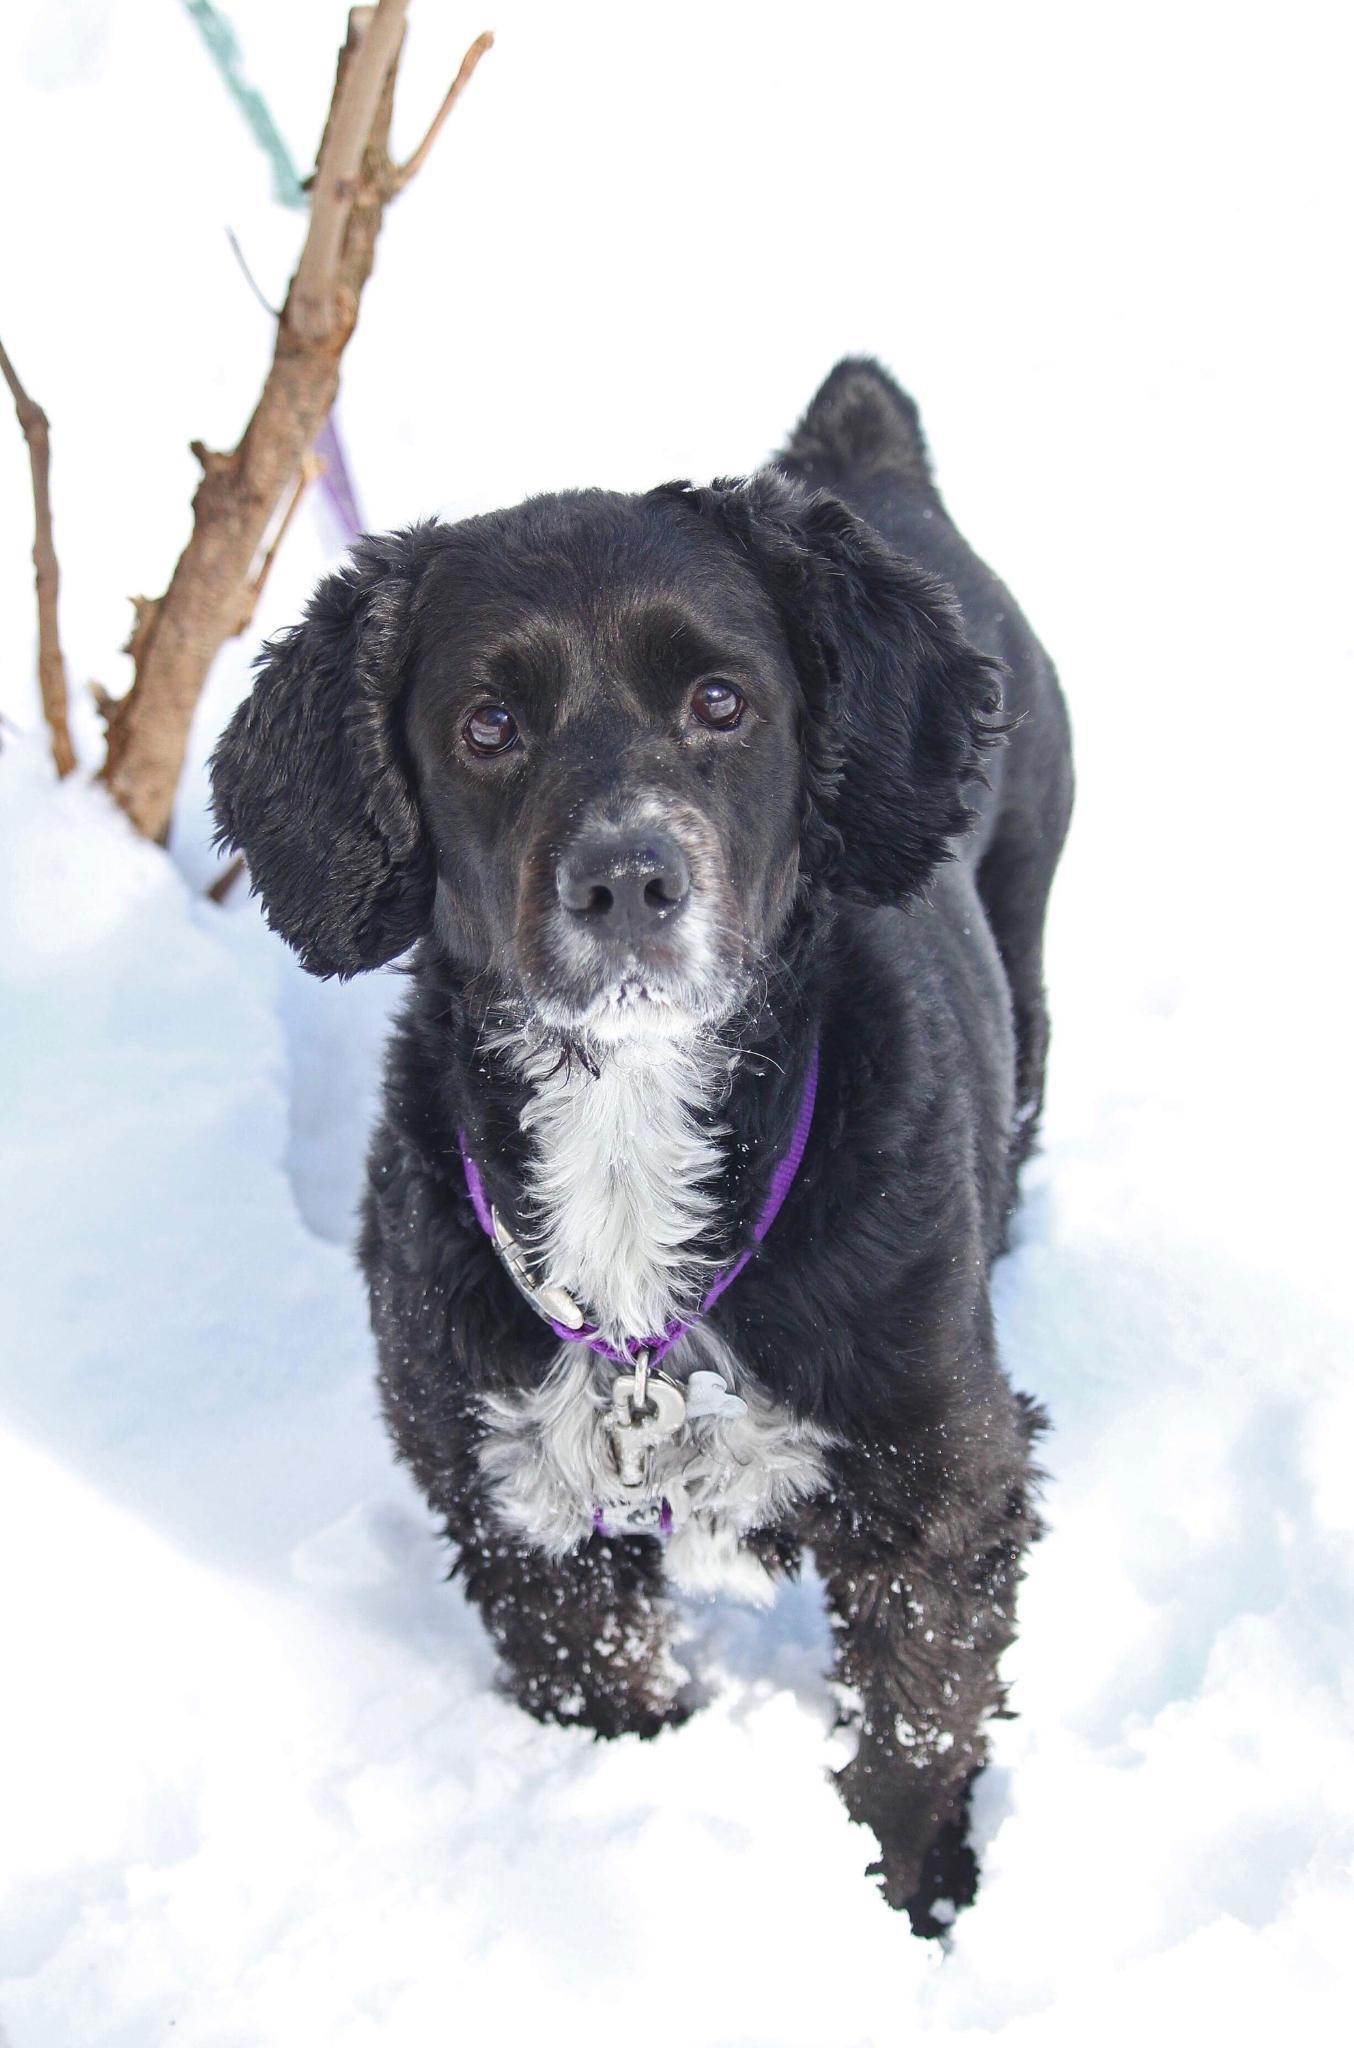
{"x": 782, "y": 1180}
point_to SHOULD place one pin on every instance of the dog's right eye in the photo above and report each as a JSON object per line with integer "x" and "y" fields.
{"x": 717, "y": 704}
{"x": 490, "y": 729}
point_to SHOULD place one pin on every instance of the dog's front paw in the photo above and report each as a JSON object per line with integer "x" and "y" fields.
{"x": 925, "y": 1867}
{"x": 607, "y": 1713}
{"x": 645, "y": 1722}
{"x": 948, "y": 1881}
{"x": 935, "y": 1887}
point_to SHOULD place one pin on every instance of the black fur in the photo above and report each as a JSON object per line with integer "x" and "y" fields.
{"x": 309, "y": 776}
{"x": 889, "y": 681}
{"x": 884, "y": 866}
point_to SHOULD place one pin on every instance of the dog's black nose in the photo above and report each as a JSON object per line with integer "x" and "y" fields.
{"x": 624, "y": 887}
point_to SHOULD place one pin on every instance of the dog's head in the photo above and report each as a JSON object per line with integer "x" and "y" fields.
{"x": 600, "y": 744}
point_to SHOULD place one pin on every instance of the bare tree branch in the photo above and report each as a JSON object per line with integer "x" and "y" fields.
{"x": 46, "y": 570}
{"x": 312, "y": 309}
{"x": 311, "y": 467}
{"x": 402, "y": 173}
{"x": 212, "y": 591}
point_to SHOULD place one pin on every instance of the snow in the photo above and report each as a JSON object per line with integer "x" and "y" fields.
{"x": 256, "y": 1787}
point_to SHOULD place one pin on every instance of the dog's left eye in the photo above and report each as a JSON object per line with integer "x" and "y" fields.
{"x": 717, "y": 703}
{"x": 490, "y": 729}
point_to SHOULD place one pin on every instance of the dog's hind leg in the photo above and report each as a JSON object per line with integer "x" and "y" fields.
{"x": 1014, "y": 878}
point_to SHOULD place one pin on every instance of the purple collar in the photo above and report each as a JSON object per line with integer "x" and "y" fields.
{"x": 782, "y": 1180}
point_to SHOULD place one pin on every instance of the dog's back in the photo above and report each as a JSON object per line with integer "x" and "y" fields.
{"x": 861, "y": 439}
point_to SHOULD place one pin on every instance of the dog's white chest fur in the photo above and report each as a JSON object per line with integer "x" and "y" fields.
{"x": 617, "y": 1188}
{"x": 617, "y": 1191}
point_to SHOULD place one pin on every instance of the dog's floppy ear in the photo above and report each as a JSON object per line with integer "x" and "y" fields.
{"x": 898, "y": 707}
{"x": 308, "y": 780}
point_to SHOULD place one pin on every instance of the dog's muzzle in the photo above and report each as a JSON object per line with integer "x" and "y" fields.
{"x": 626, "y": 927}
{"x": 623, "y": 891}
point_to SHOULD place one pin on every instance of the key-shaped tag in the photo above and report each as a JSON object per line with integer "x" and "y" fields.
{"x": 645, "y": 1408}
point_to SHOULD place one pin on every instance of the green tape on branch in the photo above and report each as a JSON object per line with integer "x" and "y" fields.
{"x": 224, "y": 49}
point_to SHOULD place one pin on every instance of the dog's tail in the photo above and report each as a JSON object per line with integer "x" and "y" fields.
{"x": 860, "y": 424}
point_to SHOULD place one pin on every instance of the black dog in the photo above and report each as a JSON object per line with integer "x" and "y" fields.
{"x": 725, "y": 1042}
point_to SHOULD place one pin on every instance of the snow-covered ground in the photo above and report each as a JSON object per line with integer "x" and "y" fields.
{"x": 255, "y": 1787}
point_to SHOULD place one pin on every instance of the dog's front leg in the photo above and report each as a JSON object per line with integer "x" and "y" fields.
{"x": 919, "y": 1631}
{"x": 584, "y": 1637}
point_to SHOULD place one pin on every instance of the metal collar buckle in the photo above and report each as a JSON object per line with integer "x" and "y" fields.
{"x": 555, "y": 1303}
